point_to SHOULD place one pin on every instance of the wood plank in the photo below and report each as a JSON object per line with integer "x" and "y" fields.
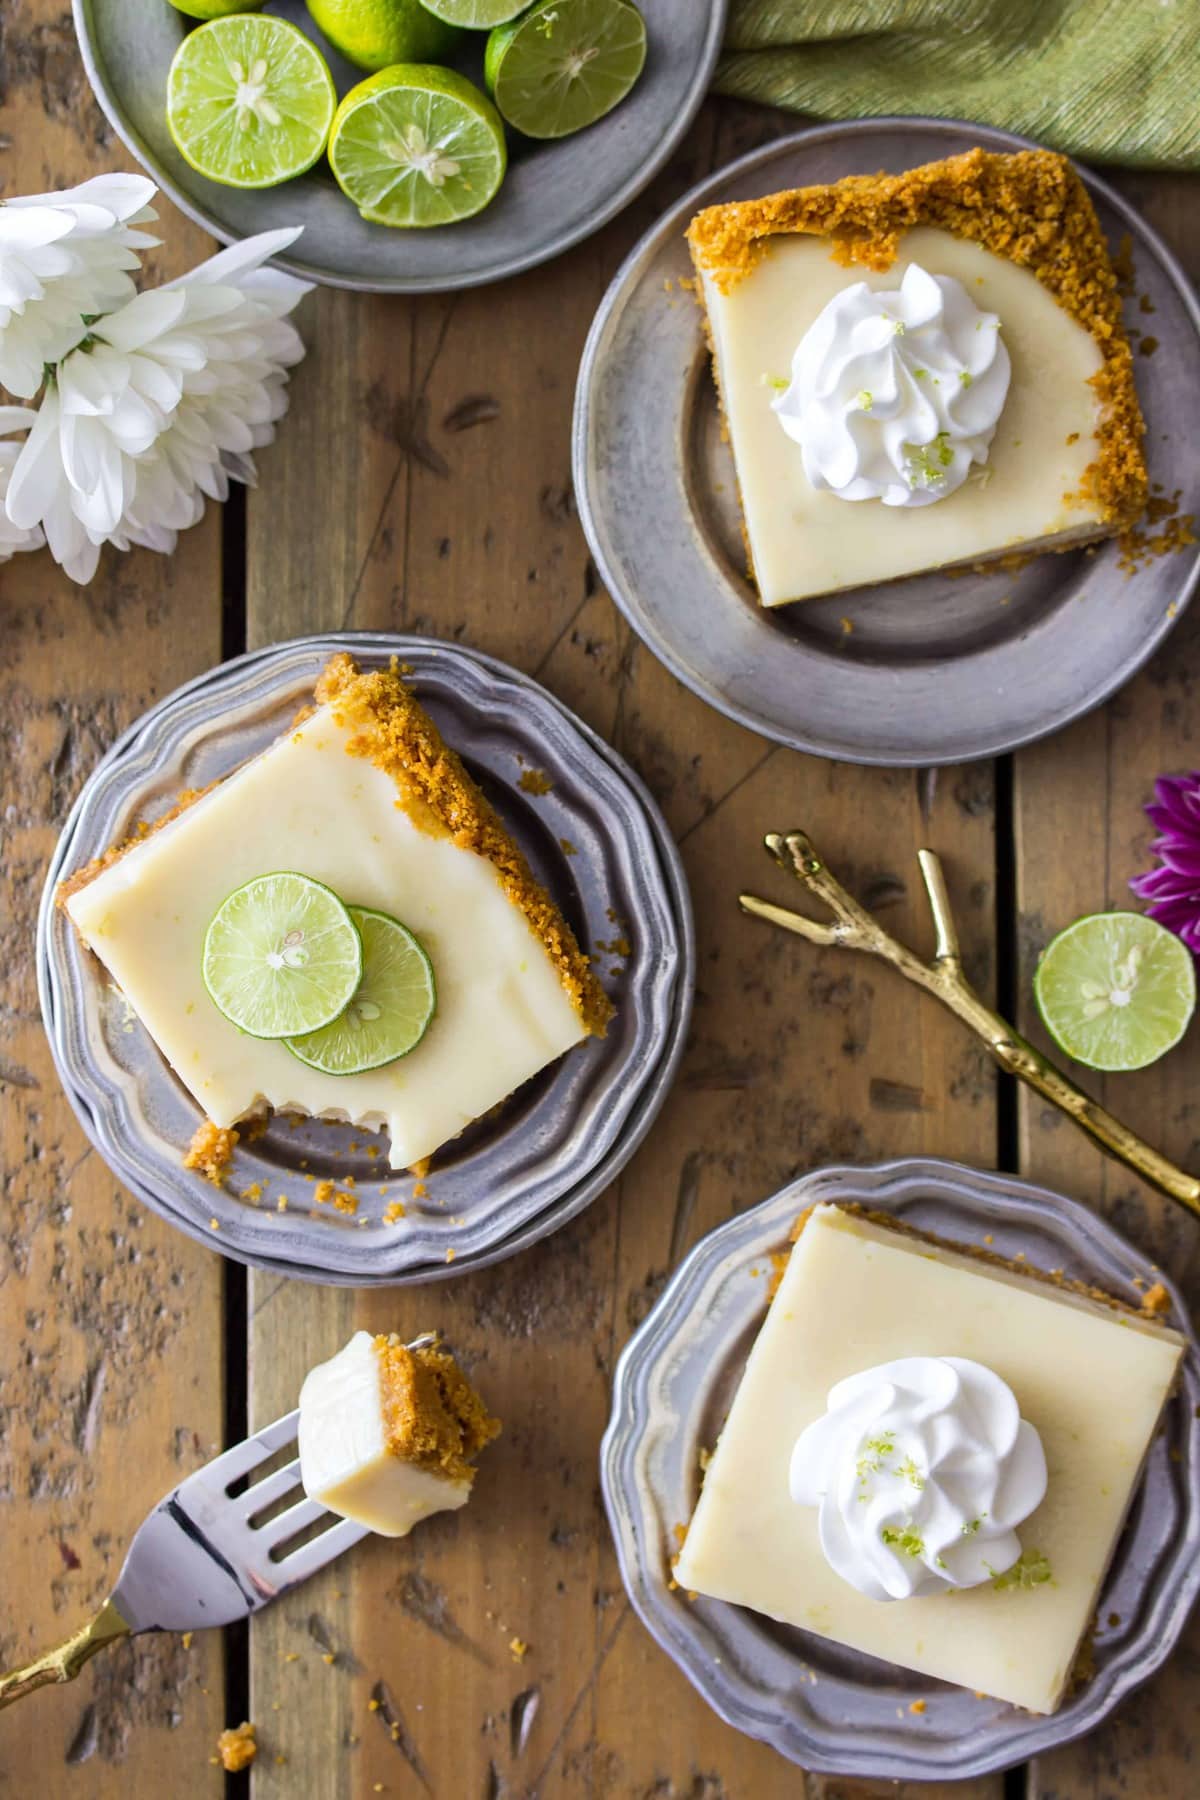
{"x": 1080, "y": 836}
{"x": 795, "y": 1058}
{"x": 94, "y": 1292}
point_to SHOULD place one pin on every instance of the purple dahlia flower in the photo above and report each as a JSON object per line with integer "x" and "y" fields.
{"x": 1173, "y": 889}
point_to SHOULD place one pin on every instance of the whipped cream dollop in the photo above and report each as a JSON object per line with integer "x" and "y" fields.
{"x": 896, "y": 393}
{"x": 922, "y": 1469}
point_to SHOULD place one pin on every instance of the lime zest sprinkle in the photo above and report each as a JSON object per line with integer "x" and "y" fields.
{"x": 927, "y": 463}
{"x": 910, "y": 1472}
{"x": 1031, "y": 1569}
{"x": 907, "y": 1540}
{"x": 873, "y": 1461}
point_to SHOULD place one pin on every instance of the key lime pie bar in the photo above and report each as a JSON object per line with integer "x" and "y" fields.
{"x": 920, "y": 370}
{"x": 344, "y": 928}
{"x": 389, "y": 1433}
{"x": 930, "y": 1457}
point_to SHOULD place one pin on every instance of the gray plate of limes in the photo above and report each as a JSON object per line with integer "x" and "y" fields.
{"x": 423, "y": 145}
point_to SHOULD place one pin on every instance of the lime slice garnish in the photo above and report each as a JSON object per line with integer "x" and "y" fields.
{"x": 1116, "y": 990}
{"x": 282, "y": 955}
{"x": 249, "y": 100}
{"x": 374, "y": 34}
{"x": 388, "y": 1015}
{"x": 564, "y": 64}
{"x": 478, "y": 15}
{"x": 417, "y": 145}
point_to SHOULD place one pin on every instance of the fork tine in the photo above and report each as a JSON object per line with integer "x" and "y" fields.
{"x": 242, "y": 1458}
{"x": 306, "y": 1512}
{"x": 271, "y": 1488}
{"x": 314, "y": 1555}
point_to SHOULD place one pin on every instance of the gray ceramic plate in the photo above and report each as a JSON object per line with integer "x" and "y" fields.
{"x": 553, "y": 194}
{"x": 830, "y": 1709}
{"x": 936, "y": 669}
{"x": 508, "y": 1180}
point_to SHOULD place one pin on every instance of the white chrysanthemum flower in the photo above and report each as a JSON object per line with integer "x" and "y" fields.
{"x": 13, "y": 537}
{"x": 164, "y": 403}
{"x": 64, "y": 258}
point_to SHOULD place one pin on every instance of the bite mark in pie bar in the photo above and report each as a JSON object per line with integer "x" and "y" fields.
{"x": 362, "y": 795}
{"x": 930, "y": 1457}
{"x": 389, "y": 1434}
{"x": 919, "y": 371}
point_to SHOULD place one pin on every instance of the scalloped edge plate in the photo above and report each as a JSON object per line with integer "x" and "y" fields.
{"x": 935, "y": 669}
{"x": 508, "y": 1180}
{"x": 829, "y": 1709}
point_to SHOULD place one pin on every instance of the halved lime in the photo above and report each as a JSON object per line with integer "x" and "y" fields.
{"x": 282, "y": 955}
{"x": 374, "y": 34}
{"x": 417, "y": 145}
{"x": 1116, "y": 990}
{"x": 215, "y": 9}
{"x": 389, "y": 1014}
{"x": 564, "y": 64}
{"x": 477, "y": 15}
{"x": 249, "y": 100}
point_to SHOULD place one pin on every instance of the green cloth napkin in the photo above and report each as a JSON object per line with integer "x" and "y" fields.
{"x": 1105, "y": 80}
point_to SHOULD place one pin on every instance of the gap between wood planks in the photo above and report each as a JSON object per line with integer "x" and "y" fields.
{"x": 1018, "y": 1782}
{"x": 235, "y": 1280}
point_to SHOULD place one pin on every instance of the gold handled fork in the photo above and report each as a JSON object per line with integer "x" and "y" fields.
{"x": 206, "y": 1556}
{"x": 853, "y": 928}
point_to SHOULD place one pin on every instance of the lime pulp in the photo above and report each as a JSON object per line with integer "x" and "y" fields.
{"x": 1116, "y": 990}
{"x": 389, "y": 1013}
{"x": 417, "y": 145}
{"x": 374, "y": 34}
{"x": 249, "y": 100}
{"x": 564, "y": 64}
{"x": 476, "y": 15}
{"x": 282, "y": 956}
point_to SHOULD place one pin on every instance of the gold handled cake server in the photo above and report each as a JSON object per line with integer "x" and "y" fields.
{"x": 853, "y": 928}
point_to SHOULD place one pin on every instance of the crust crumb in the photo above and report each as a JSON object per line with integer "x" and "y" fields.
{"x": 432, "y": 1415}
{"x": 1156, "y": 1301}
{"x": 211, "y": 1150}
{"x": 385, "y": 724}
{"x": 237, "y": 1747}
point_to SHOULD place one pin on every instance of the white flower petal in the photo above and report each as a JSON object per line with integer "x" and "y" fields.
{"x": 146, "y": 317}
{"x": 239, "y": 260}
{"x": 37, "y": 476}
{"x": 65, "y": 257}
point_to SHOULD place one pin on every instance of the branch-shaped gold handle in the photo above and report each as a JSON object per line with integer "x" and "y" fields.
{"x": 65, "y": 1663}
{"x": 854, "y": 929}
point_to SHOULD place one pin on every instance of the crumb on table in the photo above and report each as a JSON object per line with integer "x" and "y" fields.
{"x": 237, "y": 1748}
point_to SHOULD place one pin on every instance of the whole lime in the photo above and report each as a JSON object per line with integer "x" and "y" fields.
{"x": 374, "y": 34}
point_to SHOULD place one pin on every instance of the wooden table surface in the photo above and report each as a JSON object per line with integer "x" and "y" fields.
{"x": 128, "y": 1354}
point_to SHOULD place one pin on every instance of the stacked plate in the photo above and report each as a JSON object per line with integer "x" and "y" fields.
{"x": 595, "y": 839}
